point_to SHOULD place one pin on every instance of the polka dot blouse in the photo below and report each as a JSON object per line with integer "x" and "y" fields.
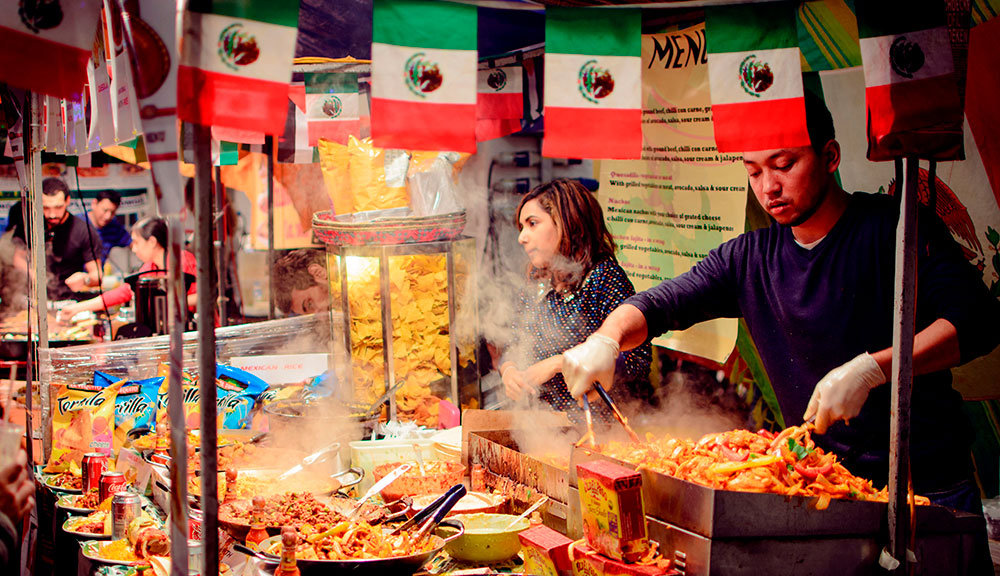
{"x": 553, "y": 322}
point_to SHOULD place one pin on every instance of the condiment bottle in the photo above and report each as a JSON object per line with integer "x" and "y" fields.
{"x": 287, "y": 567}
{"x": 258, "y": 531}
{"x": 477, "y": 478}
{"x": 536, "y": 518}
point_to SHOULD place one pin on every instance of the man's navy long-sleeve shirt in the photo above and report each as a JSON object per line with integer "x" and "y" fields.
{"x": 811, "y": 310}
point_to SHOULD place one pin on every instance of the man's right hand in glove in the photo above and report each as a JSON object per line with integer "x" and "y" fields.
{"x": 590, "y": 361}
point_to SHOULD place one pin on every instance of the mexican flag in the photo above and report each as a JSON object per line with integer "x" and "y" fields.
{"x": 332, "y": 107}
{"x": 236, "y": 62}
{"x": 593, "y": 90}
{"x": 755, "y": 77}
{"x": 424, "y": 64}
{"x": 499, "y": 102}
{"x": 911, "y": 91}
{"x": 44, "y": 46}
{"x": 293, "y": 143}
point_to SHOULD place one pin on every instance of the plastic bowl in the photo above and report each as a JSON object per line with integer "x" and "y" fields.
{"x": 486, "y": 538}
{"x": 439, "y": 478}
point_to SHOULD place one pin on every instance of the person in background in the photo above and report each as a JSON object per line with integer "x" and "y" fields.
{"x": 817, "y": 289}
{"x": 17, "y": 498}
{"x": 103, "y": 209}
{"x": 300, "y": 282}
{"x": 575, "y": 281}
{"x": 149, "y": 243}
{"x": 72, "y": 247}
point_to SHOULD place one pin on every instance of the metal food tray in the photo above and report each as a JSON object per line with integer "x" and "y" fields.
{"x": 497, "y": 452}
{"x": 730, "y": 514}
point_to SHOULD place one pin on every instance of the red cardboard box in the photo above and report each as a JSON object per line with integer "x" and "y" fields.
{"x": 588, "y": 562}
{"x": 545, "y": 551}
{"x": 614, "y": 519}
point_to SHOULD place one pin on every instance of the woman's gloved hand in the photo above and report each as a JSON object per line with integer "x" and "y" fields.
{"x": 590, "y": 361}
{"x": 843, "y": 391}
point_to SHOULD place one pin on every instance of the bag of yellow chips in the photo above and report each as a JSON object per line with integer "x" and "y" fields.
{"x": 378, "y": 176}
{"x": 192, "y": 406}
{"x": 334, "y": 159}
{"x": 83, "y": 421}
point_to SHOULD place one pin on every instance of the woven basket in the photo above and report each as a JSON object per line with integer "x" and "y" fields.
{"x": 387, "y": 230}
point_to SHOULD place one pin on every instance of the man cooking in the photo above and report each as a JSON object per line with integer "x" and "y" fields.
{"x": 72, "y": 247}
{"x": 101, "y": 215}
{"x": 816, "y": 289}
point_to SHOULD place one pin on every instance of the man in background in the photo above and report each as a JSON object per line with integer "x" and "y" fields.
{"x": 300, "y": 282}
{"x": 72, "y": 247}
{"x": 103, "y": 209}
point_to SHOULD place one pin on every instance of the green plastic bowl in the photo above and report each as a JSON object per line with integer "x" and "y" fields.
{"x": 485, "y": 539}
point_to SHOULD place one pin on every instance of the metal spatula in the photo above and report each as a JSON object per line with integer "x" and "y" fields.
{"x": 375, "y": 489}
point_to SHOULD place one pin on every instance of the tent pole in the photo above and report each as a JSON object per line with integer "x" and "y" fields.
{"x": 904, "y": 306}
{"x": 204, "y": 215}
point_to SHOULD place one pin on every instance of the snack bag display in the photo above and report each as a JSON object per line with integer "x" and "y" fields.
{"x": 237, "y": 393}
{"x": 135, "y": 407}
{"x": 378, "y": 176}
{"x": 192, "y": 410}
{"x": 83, "y": 421}
{"x": 334, "y": 159}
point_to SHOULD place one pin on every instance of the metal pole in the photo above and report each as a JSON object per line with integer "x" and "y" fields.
{"x": 387, "y": 353}
{"x": 221, "y": 248}
{"x": 902, "y": 366}
{"x": 269, "y": 146}
{"x": 176, "y": 309}
{"x": 33, "y": 204}
{"x": 206, "y": 348}
{"x": 29, "y": 138}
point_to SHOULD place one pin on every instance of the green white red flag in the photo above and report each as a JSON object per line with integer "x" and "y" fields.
{"x": 499, "y": 102}
{"x": 424, "y": 64}
{"x": 293, "y": 143}
{"x": 593, "y": 74}
{"x": 332, "y": 107}
{"x": 911, "y": 91}
{"x": 755, "y": 77}
{"x": 236, "y": 63}
{"x": 44, "y": 46}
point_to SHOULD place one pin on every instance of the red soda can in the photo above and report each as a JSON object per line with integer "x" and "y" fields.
{"x": 111, "y": 483}
{"x": 194, "y": 525}
{"x": 125, "y": 507}
{"x": 93, "y": 465}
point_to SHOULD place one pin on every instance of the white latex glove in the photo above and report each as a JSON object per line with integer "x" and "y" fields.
{"x": 843, "y": 391}
{"x": 592, "y": 360}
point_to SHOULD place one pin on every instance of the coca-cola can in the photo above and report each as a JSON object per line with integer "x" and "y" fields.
{"x": 111, "y": 483}
{"x": 93, "y": 465}
{"x": 194, "y": 525}
{"x": 125, "y": 507}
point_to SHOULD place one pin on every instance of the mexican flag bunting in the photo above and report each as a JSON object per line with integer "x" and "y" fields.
{"x": 755, "y": 77}
{"x": 499, "y": 102}
{"x": 911, "y": 91}
{"x": 124, "y": 113}
{"x": 593, "y": 70}
{"x": 74, "y": 133}
{"x": 52, "y": 130}
{"x": 332, "y": 107}
{"x": 102, "y": 127}
{"x": 44, "y": 46}
{"x": 424, "y": 64}
{"x": 236, "y": 62}
{"x": 293, "y": 144}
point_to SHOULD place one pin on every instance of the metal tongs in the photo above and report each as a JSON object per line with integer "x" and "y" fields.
{"x": 589, "y": 437}
{"x": 614, "y": 410}
{"x": 454, "y": 494}
{"x": 378, "y": 486}
{"x": 308, "y": 460}
{"x": 426, "y": 512}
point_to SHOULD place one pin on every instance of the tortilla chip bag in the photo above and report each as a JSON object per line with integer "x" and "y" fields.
{"x": 378, "y": 176}
{"x": 192, "y": 408}
{"x": 237, "y": 391}
{"x": 334, "y": 159}
{"x": 135, "y": 407}
{"x": 83, "y": 421}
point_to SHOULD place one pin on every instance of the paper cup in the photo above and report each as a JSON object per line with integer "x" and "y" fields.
{"x": 10, "y": 441}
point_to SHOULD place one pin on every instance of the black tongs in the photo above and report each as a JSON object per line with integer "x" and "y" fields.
{"x": 618, "y": 413}
{"x": 438, "y": 509}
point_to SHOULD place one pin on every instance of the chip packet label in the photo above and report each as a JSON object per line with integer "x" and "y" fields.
{"x": 237, "y": 391}
{"x": 135, "y": 407}
{"x": 83, "y": 421}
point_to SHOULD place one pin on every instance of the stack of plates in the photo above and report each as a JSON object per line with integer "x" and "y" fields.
{"x": 448, "y": 444}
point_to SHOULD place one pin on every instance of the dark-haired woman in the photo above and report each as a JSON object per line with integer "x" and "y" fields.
{"x": 574, "y": 283}
{"x": 149, "y": 243}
